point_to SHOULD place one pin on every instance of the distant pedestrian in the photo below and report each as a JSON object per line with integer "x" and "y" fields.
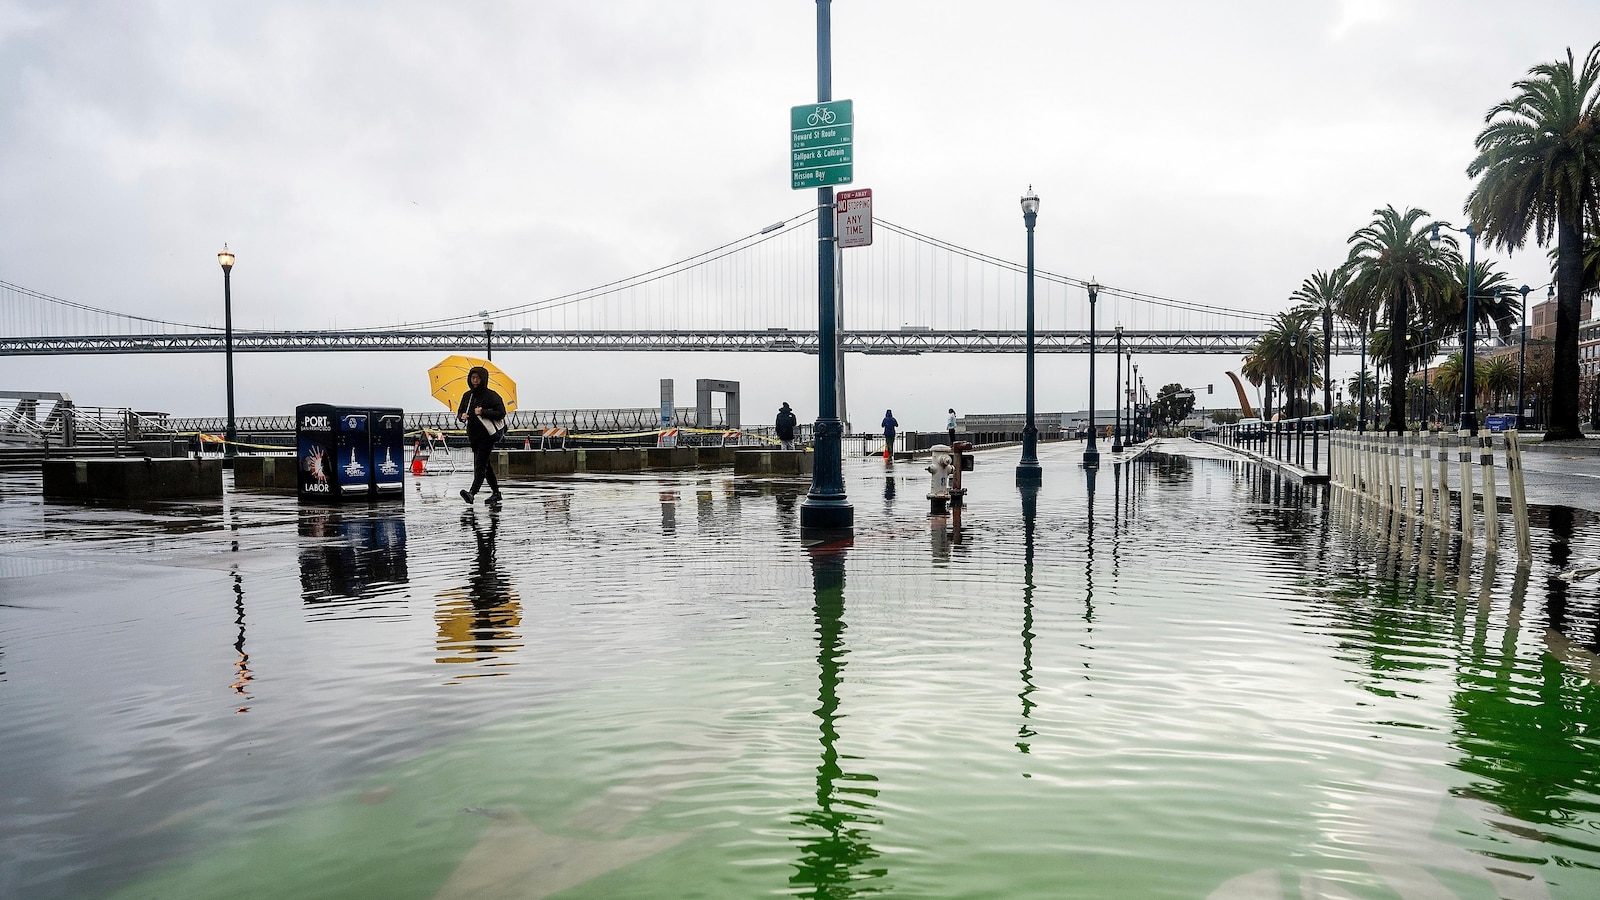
{"x": 950, "y": 424}
{"x": 484, "y": 414}
{"x": 785, "y": 426}
{"x": 889, "y": 425}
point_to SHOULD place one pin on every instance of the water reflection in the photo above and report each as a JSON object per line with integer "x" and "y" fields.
{"x": 478, "y": 621}
{"x": 1525, "y": 730}
{"x": 1088, "y": 549}
{"x": 834, "y": 852}
{"x": 1030, "y": 508}
{"x": 242, "y": 676}
{"x": 348, "y": 553}
{"x": 669, "y": 511}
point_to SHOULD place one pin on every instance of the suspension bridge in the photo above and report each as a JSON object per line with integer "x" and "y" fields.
{"x": 908, "y": 293}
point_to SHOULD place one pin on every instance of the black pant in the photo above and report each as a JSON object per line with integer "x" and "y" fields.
{"x": 483, "y": 467}
{"x": 952, "y": 437}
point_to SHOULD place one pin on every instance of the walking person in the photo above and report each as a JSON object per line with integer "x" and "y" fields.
{"x": 785, "y": 426}
{"x": 484, "y": 414}
{"x": 950, "y": 424}
{"x": 889, "y": 425}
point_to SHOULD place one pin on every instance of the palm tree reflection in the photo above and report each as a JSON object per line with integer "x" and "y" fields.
{"x": 477, "y": 622}
{"x": 834, "y": 851}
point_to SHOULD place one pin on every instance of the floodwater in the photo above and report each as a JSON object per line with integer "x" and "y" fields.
{"x": 1195, "y": 682}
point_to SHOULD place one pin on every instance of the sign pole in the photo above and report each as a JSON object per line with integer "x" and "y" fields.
{"x": 826, "y": 506}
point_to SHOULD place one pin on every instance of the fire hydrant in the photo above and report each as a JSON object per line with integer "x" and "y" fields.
{"x": 939, "y": 467}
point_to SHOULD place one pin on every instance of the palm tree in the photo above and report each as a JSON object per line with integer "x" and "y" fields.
{"x": 1284, "y": 354}
{"x": 1393, "y": 266}
{"x": 1497, "y": 376}
{"x": 1448, "y": 376}
{"x": 1323, "y": 296}
{"x": 1539, "y": 162}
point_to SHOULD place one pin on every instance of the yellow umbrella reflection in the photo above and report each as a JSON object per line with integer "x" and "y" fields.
{"x": 449, "y": 381}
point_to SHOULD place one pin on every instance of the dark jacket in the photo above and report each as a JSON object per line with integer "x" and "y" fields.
{"x": 494, "y": 408}
{"x": 889, "y": 423}
{"x": 786, "y": 423}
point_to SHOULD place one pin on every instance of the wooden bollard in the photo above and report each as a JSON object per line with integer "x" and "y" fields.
{"x": 1427, "y": 482}
{"x": 1444, "y": 485}
{"x": 1519, "y": 498}
{"x": 1467, "y": 498}
{"x": 1491, "y": 503}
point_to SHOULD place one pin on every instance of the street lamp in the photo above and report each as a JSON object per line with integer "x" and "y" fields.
{"x": 1091, "y": 453}
{"x": 225, "y": 257}
{"x": 1028, "y": 469}
{"x": 1127, "y": 392}
{"x": 1522, "y": 353}
{"x": 1116, "y": 387}
{"x": 488, "y": 339}
{"x": 1135, "y": 425}
{"x": 1469, "y": 414}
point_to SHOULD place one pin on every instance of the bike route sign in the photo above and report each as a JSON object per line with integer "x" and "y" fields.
{"x": 820, "y": 144}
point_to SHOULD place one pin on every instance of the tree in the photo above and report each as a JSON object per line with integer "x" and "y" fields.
{"x": 1172, "y": 404}
{"x": 1538, "y": 166}
{"x": 1323, "y": 296}
{"x": 1285, "y": 353}
{"x": 1393, "y": 267}
{"x": 1498, "y": 377}
{"x": 1448, "y": 377}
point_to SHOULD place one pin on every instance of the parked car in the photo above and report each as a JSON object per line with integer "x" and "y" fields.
{"x": 1498, "y": 422}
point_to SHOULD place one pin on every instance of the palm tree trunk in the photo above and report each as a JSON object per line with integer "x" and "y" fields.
{"x": 1399, "y": 318}
{"x": 1564, "y": 405}
{"x": 1327, "y": 359}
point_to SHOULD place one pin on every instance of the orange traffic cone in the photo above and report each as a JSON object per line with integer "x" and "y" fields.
{"x": 416, "y": 459}
{"x": 527, "y": 443}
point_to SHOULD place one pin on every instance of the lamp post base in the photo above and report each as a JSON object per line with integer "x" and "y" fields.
{"x": 826, "y": 515}
{"x": 1091, "y": 459}
{"x": 1029, "y": 472}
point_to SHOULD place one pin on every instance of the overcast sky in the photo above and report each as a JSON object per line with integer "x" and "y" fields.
{"x": 377, "y": 162}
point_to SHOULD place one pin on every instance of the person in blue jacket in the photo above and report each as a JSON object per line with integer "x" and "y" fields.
{"x": 889, "y": 425}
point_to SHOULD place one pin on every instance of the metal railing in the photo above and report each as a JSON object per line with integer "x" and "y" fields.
{"x": 1302, "y": 443}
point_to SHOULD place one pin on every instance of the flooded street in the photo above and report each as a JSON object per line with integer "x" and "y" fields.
{"x": 1187, "y": 680}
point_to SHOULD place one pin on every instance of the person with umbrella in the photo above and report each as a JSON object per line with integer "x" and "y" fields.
{"x": 484, "y": 414}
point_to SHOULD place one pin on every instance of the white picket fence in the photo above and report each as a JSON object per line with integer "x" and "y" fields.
{"x": 1393, "y": 482}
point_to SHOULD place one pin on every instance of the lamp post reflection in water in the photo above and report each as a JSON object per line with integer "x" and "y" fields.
{"x": 834, "y": 852}
{"x": 478, "y": 622}
{"x": 243, "y": 677}
{"x": 1030, "y": 508}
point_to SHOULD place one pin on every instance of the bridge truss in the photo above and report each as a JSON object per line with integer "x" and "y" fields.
{"x": 888, "y": 343}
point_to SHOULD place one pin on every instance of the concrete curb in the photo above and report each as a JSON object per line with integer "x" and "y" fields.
{"x": 1287, "y": 468}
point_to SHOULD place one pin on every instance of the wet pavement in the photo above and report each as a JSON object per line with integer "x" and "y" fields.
{"x": 1183, "y": 678}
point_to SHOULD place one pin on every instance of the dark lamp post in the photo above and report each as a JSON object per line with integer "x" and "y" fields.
{"x": 1116, "y": 427}
{"x": 225, "y": 257}
{"x": 826, "y": 507}
{"x": 1028, "y": 468}
{"x": 488, "y": 339}
{"x": 1091, "y": 453}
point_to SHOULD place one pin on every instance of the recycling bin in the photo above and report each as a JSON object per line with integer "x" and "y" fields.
{"x": 388, "y": 430}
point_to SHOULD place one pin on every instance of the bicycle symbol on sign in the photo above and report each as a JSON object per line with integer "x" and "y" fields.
{"x": 822, "y": 116}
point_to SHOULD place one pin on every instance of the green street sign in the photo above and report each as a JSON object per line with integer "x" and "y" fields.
{"x": 821, "y": 138}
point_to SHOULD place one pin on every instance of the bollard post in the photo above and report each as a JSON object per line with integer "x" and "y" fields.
{"x": 1467, "y": 495}
{"x": 1444, "y": 485}
{"x": 1519, "y": 499}
{"x": 1491, "y": 503}
{"x": 1427, "y": 482}
{"x": 963, "y": 461}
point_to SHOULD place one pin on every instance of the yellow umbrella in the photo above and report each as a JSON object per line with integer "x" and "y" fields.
{"x": 449, "y": 380}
